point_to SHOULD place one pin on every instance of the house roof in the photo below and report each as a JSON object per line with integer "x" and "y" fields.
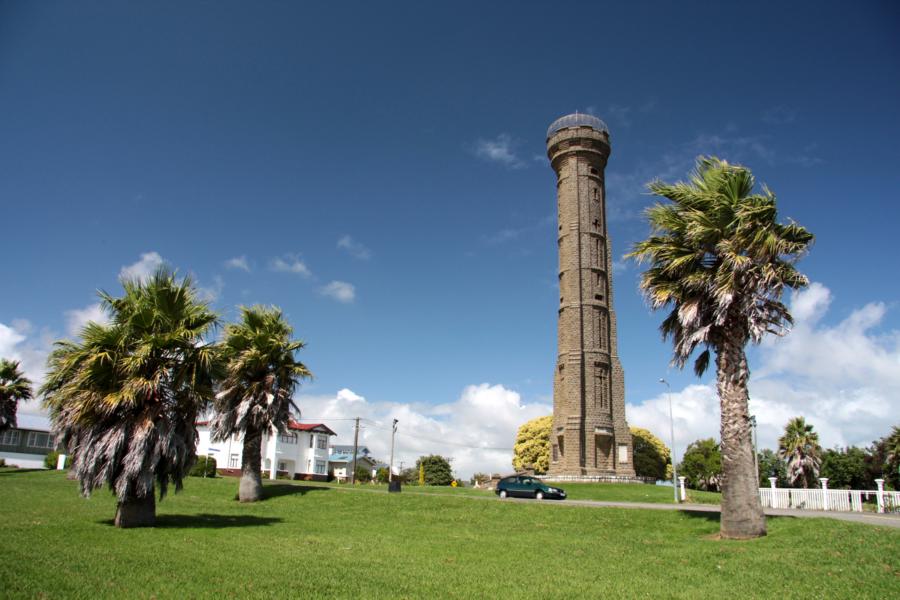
{"x": 345, "y": 458}
{"x": 348, "y": 449}
{"x": 294, "y": 426}
{"x": 316, "y": 427}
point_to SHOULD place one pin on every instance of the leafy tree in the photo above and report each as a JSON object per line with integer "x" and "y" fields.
{"x": 883, "y": 461}
{"x": 532, "y": 448}
{"x": 651, "y": 455}
{"x": 770, "y": 465}
{"x": 436, "y": 470}
{"x": 382, "y": 475}
{"x": 720, "y": 260}
{"x": 480, "y": 478}
{"x": 701, "y": 465}
{"x": 409, "y": 475}
{"x": 261, "y": 373}
{"x": 125, "y": 398}
{"x": 799, "y": 447}
{"x": 846, "y": 468}
{"x": 14, "y": 388}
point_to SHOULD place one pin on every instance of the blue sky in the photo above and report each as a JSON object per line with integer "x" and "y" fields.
{"x": 379, "y": 173}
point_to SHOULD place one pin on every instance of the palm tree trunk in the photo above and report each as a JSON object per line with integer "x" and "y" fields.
{"x": 251, "y": 468}
{"x": 136, "y": 512}
{"x": 742, "y": 515}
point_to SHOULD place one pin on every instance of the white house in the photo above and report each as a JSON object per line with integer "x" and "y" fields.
{"x": 300, "y": 453}
{"x": 27, "y": 444}
{"x": 341, "y": 461}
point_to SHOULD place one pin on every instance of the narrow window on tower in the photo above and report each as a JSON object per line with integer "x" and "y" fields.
{"x": 594, "y": 171}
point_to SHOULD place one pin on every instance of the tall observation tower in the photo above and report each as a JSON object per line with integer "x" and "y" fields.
{"x": 590, "y": 437}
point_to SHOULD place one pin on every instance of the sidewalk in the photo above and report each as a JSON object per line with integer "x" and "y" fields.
{"x": 883, "y": 520}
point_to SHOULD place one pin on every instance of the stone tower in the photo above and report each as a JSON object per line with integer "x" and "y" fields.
{"x": 590, "y": 437}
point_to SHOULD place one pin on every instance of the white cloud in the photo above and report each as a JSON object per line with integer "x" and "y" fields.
{"x": 17, "y": 343}
{"x": 290, "y": 263}
{"x": 238, "y": 262}
{"x": 339, "y": 290}
{"x": 77, "y": 318}
{"x": 212, "y": 292}
{"x": 499, "y": 150}
{"x": 843, "y": 378}
{"x": 477, "y": 430}
{"x": 142, "y": 269}
{"x": 354, "y": 248}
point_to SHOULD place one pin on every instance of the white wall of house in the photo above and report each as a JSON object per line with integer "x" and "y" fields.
{"x": 297, "y": 452}
{"x": 24, "y": 461}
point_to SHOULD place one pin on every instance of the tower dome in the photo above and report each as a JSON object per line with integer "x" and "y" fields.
{"x": 577, "y": 119}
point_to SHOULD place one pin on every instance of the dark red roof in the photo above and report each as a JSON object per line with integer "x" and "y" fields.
{"x": 320, "y": 427}
{"x": 317, "y": 427}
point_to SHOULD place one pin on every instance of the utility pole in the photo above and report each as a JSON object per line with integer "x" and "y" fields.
{"x": 391, "y": 466}
{"x": 355, "y": 450}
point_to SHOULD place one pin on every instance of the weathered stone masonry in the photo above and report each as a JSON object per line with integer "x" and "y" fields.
{"x": 590, "y": 437}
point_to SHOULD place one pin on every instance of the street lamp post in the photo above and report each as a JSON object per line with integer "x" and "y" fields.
{"x": 672, "y": 432}
{"x": 755, "y": 451}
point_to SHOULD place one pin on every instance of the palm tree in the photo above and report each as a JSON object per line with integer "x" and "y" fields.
{"x": 799, "y": 448}
{"x": 261, "y": 373}
{"x": 14, "y": 388}
{"x": 124, "y": 399}
{"x": 720, "y": 260}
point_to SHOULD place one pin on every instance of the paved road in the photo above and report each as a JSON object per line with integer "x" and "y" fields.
{"x": 884, "y": 520}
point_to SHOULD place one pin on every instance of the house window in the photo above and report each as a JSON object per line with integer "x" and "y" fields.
{"x": 234, "y": 461}
{"x": 320, "y": 467}
{"x": 37, "y": 439}
{"x": 311, "y": 438}
{"x": 288, "y": 438}
{"x": 10, "y": 437}
{"x": 322, "y": 444}
{"x": 282, "y": 466}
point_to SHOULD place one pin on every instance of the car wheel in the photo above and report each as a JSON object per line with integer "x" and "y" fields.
{"x": 503, "y": 494}
{"x": 539, "y": 496}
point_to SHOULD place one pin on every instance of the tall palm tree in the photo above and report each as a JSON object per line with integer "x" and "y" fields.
{"x": 799, "y": 448}
{"x": 261, "y": 373}
{"x": 124, "y": 399}
{"x": 14, "y": 388}
{"x": 720, "y": 261}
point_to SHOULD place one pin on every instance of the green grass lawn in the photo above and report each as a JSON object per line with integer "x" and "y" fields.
{"x": 316, "y": 541}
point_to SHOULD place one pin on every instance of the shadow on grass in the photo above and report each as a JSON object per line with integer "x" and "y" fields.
{"x": 11, "y": 471}
{"x": 286, "y": 489}
{"x": 207, "y": 521}
{"x": 706, "y": 515}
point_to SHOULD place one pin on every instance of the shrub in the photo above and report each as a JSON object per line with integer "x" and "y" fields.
{"x": 363, "y": 475}
{"x": 52, "y": 459}
{"x": 205, "y": 466}
{"x": 2, "y": 462}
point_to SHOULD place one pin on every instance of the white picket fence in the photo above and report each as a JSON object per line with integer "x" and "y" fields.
{"x": 825, "y": 499}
